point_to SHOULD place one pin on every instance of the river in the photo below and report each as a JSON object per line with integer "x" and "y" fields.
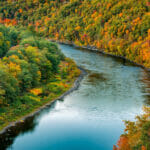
{"x": 90, "y": 118}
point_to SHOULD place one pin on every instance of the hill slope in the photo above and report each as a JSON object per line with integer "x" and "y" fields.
{"x": 118, "y": 27}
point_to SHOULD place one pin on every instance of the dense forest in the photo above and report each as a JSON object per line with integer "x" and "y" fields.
{"x": 33, "y": 71}
{"x": 116, "y": 27}
{"x": 28, "y": 62}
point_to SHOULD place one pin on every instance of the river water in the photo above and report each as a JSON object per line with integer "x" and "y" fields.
{"x": 90, "y": 118}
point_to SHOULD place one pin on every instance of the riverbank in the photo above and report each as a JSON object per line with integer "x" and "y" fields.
{"x": 33, "y": 72}
{"x": 95, "y": 49}
{"x": 22, "y": 119}
{"x": 110, "y": 92}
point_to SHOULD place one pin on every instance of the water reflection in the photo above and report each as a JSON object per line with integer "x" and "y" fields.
{"x": 94, "y": 77}
{"x": 7, "y": 138}
{"x": 26, "y": 126}
{"x": 146, "y": 86}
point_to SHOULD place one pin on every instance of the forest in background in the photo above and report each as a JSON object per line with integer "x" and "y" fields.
{"x": 116, "y": 27}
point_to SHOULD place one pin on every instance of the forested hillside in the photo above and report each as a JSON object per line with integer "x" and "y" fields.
{"x": 33, "y": 71}
{"x": 114, "y": 26}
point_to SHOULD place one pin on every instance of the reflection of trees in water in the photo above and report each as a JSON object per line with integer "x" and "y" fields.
{"x": 145, "y": 79}
{"x": 28, "y": 125}
{"x": 147, "y": 99}
{"x": 146, "y": 88}
{"x": 95, "y": 77}
{"x": 7, "y": 138}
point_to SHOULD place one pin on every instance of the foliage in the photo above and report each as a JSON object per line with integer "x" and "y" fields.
{"x": 31, "y": 74}
{"x": 137, "y": 134}
{"x": 116, "y": 27}
{"x": 27, "y": 65}
{"x": 8, "y": 38}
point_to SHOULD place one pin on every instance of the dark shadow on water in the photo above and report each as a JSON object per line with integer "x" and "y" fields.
{"x": 94, "y": 77}
{"x": 146, "y": 89}
{"x": 7, "y": 138}
{"x": 147, "y": 99}
{"x": 28, "y": 125}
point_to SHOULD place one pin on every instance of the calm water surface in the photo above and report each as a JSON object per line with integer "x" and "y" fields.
{"x": 91, "y": 117}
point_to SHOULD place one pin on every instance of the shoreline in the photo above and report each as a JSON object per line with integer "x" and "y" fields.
{"x": 22, "y": 119}
{"x": 75, "y": 85}
{"x": 96, "y": 50}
